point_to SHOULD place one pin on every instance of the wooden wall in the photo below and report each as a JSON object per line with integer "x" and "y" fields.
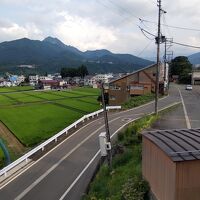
{"x": 159, "y": 170}
{"x": 145, "y": 78}
{"x": 188, "y": 180}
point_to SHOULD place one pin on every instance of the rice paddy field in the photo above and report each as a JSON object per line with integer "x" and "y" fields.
{"x": 34, "y": 116}
{"x": 15, "y": 89}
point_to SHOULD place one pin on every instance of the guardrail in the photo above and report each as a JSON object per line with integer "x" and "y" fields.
{"x": 53, "y": 138}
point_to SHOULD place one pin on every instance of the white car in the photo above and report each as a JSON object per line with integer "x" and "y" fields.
{"x": 188, "y": 87}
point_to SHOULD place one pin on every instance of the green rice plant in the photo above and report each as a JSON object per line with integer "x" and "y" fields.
{"x": 35, "y": 116}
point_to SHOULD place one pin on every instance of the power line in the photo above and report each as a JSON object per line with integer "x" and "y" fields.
{"x": 125, "y": 10}
{"x": 178, "y": 43}
{"x": 165, "y": 23}
{"x": 186, "y": 45}
{"x": 147, "y": 32}
{"x": 171, "y": 26}
{"x": 124, "y": 17}
{"x": 144, "y": 48}
{"x": 143, "y": 32}
{"x": 148, "y": 21}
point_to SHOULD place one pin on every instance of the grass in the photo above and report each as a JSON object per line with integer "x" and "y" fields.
{"x": 138, "y": 100}
{"x": 35, "y": 116}
{"x": 15, "y": 89}
{"x": 125, "y": 182}
{"x": 2, "y": 159}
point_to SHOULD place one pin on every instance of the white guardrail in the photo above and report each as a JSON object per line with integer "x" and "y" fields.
{"x": 54, "y": 138}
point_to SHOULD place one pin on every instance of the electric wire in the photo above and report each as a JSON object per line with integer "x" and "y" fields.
{"x": 148, "y": 21}
{"x": 186, "y": 45}
{"x": 171, "y": 26}
{"x": 177, "y": 43}
{"x": 141, "y": 52}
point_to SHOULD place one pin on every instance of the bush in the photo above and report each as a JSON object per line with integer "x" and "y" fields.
{"x": 125, "y": 182}
{"x": 138, "y": 100}
{"x": 122, "y": 159}
{"x": 135, "y": 189}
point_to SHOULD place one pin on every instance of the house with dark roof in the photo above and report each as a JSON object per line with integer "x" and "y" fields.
{"x": 140, "y": 82}
{"x": 171, "y": 163}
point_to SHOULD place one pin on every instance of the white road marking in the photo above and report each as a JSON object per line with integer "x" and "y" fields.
{"x": 185, "y": 111}
{"x": 20, "y": 196}
{"x": 47, "y": 153}
{"x": 87, "y": 166}
{"x": 24, "y": 170}
{"x": 79, "y": 176}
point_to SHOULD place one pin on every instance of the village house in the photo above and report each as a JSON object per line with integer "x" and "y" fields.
{"x": 48, "y": 84}
{"x": 137, "y": 83}
{"x": 33, "y": 80}
{"x": 95, "y": 80}
{"x": 21, "y": 79}
{"x": 196, "y": 77}
{"x": 52, "y": 84}
{"x": 103, "y": 78}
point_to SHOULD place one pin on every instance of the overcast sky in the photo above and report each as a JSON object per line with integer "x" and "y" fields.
{"x": 101, "y": 24}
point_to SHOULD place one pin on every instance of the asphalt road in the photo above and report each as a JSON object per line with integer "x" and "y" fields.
{"x": 191, "y": 100}
{"x": 65, "y": 171}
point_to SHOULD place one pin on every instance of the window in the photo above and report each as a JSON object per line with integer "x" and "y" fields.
{"x": 115, "y": 87}
{"x": 112, "y": 97}
{"x": 137, "y": 87}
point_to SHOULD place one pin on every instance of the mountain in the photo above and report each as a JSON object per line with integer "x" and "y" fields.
{"x": 194, "y": 58}
{"x": 50, "y": 55}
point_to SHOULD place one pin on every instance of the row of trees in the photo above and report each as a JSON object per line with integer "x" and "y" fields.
{"x": 72, "y": 72}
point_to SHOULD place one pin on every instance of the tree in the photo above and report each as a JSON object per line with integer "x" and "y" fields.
{"x": 82, "y": 71}
{"x": 68, "y": 72}
{"x": 182, "y": 67}
{"x": 72, "y": 72}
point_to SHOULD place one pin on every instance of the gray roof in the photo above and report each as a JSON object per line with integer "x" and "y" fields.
{"x": 139, "y": 70}
{"x": 179, "y": 145}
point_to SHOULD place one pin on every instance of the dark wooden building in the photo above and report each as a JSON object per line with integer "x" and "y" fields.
{"x": 137, "y": 83}
{"x": 48, "y": 84}
{"x": 171, "y": 163}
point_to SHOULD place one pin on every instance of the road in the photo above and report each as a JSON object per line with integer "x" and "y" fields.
{"x": 65, "y": 171}
{"x": 191, "y": 100}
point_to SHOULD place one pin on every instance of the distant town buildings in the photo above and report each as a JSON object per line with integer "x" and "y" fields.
{"x": 52, "y": 81}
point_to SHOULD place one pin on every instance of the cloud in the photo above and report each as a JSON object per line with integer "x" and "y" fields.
{"x": 83, "y": 33}
{"x": 94, "y": 24}
{"x": 12, "y": 31}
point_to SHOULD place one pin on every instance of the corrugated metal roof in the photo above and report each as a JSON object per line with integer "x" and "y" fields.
{"x": 179, "y": 145}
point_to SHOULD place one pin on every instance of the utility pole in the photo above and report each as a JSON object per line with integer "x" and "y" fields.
{"x": 109, "y": 156}
{"x": 165, "y": 66}
{"x": 158, "y": 59}
{"x": 165, "y": 59}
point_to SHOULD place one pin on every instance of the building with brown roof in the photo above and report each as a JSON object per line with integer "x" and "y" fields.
{"x": 137, "y": 83}
{"x": 48, "y": 84}
{"x": 171, "y": 163}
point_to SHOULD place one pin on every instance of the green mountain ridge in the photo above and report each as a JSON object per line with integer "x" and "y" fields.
{"x": 50, "y": 55}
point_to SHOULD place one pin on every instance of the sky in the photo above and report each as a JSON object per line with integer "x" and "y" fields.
{"x": 103, "y": 24}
